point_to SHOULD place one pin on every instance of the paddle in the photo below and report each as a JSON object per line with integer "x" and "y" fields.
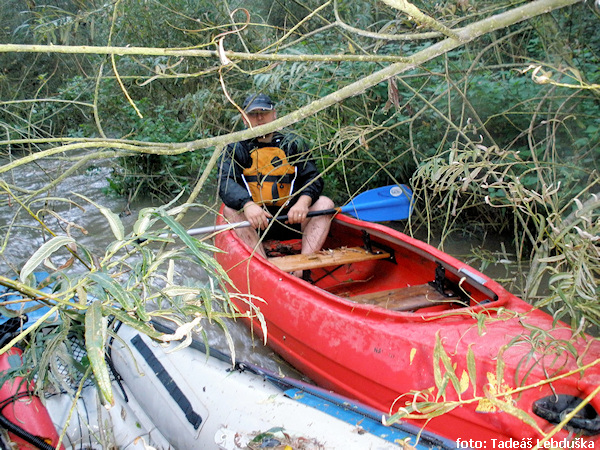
{"x": 377, "y": 205}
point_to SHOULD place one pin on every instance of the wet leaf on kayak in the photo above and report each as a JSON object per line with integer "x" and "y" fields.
{"x": 509, "y": 408}
{"x": 472, "y": 367}
{"x": 494, "y": 391}
{"x": 95, "y": 338}
{"x": 449, "y": 369}
{"x": 500, "y": 364}
{"x": 464, "y": 382}
{"x": 183, "y": 332}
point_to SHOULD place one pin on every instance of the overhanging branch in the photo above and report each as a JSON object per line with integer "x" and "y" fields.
{"x": 465, "y": 35}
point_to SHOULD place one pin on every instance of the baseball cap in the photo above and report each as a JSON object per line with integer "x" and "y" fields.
{"x": 258, "y": 101}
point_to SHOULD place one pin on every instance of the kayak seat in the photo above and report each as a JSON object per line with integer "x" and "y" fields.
{"x": 440, "y": 291}
{"x": 407, "y": 298}
{"x": 327, "y": 258}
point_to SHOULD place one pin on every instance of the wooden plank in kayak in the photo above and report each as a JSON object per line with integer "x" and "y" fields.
{"x": 325, "y": 258}
{"x": 406, "y": 298}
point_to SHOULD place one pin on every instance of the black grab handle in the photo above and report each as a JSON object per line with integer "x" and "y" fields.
{"x": 554, "y": 407}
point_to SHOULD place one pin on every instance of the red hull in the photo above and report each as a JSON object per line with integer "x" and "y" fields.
{"x": 376, "y": 355}
{"x": 23, "y": 409}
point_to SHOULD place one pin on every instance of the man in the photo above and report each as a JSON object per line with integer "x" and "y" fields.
{"x": 269, "y": 176}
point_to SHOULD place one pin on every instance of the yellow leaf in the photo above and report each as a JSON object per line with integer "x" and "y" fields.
{"x": 464, "y": 381}
{"x": 485, "y": 406}
{"x": 496, "y": 390}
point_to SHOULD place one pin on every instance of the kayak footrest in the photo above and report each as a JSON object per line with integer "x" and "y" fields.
{"x": 326, "y": 258}
{"x": 406, "y": 298}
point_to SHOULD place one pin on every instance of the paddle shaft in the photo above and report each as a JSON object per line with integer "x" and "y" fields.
{"x": 246, "y": 224}
{"x": 376, "y": 205}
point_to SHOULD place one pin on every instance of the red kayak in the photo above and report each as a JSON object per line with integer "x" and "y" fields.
{"x": 383, "y": 315}
{"x": 23, "y": 414}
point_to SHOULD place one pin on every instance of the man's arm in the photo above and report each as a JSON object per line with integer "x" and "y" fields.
{"x": 233, "y": 194}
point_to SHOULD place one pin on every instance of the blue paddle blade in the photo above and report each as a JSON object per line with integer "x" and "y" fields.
{"x": 20, "y": 305}
{"x": 381, "y": 204}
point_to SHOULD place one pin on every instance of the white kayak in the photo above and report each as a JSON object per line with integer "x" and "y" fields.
{"x": 185, "y": 399}
{"x": 197, "y": 401}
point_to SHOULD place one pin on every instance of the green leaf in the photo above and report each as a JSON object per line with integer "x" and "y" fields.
{"x": 500, "y": 366}
{"x": 472, "y": 367}
{"x": 144, "y": 221}
{"x": 115, "y": 223}
{"x": 192, "y": 244}
{"x": 437, "y": 373}
{"x": 114, "y": 289}
{"x": 42, "y": 253}
{"x": 140, "y": 310}
{"x": 113, "y": 219}
{"x": 132, "y": 322}
{"x": 450, "y": 373}
{"x": 95, "y": 339}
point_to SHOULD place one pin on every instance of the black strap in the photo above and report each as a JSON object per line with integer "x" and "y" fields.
{"x": 554, "y": 407}
{"x": 9, "y": 328}
{"x": 287, "y": 178}
{"x": 168, "y": 382}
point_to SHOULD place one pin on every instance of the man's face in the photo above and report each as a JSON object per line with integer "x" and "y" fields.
{"x": 256, "y": 118}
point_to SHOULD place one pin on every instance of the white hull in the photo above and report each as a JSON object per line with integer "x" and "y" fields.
{"x": 185, "y": 400}
{"x": 219, "y": 403}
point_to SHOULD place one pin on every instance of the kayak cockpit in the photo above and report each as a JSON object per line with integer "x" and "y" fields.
{"x": 382, "y": 270}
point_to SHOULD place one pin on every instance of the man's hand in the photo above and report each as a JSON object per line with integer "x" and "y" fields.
{"x": 258, "y": 217}
{"x": 299, "y": 212}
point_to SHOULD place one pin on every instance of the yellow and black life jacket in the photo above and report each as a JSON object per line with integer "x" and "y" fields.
{"x": 270, "y": 178}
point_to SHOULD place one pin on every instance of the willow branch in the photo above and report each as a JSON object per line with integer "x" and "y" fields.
{"x": 465, "y": 35}
{"x": 411, "y": 10}
{"x": 382, "y": 36}
{"x": 114, "y": 63}
{"x": 197, "y": 53}
{"x": 46, "y": 100}
{"x": 298, "y": 25}
{"x": 95, "y": 106}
